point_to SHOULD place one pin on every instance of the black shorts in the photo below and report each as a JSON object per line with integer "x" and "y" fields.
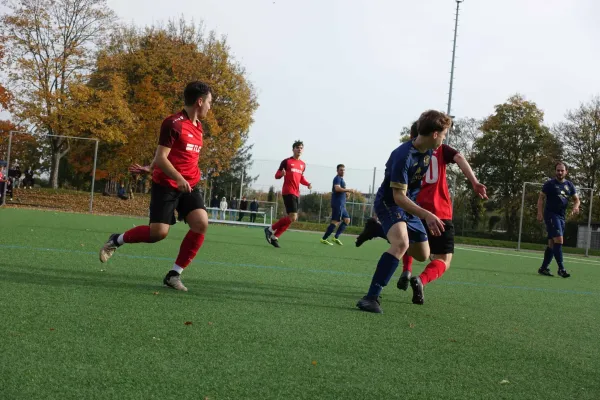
{"x": 164, "y": 200}
{"x": 291, "y": 203}
{"x": 443, "y": 244}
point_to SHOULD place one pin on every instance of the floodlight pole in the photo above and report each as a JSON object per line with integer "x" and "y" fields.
{"x": 452, "y": 67}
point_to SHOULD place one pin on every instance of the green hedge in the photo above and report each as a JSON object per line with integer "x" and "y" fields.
{"x": 474, "y": 241}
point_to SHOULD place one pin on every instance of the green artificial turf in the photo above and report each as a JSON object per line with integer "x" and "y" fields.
{"x": 272, "y": 323}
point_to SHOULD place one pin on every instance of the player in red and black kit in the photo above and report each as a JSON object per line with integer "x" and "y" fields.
{"x": 174, "y": 185}
{"x": 292, "y": 171}
{"x": 435, "y": 198}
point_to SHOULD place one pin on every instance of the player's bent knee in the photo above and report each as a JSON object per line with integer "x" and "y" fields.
{"x": 198, "y": 221}
{"x": 336, "y": 223}
{"x": 398, "y": 249}
{"x": 558, "y": 240}
{"x": 293, "y": 217}
{"x": 158, "y": 235}
{"x": 347, "y": 221}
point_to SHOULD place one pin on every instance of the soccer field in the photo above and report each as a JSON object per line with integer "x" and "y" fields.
{"x": 266, "y": 323}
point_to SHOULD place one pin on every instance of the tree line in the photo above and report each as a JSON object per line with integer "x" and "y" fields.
{"x": 73, "y": 70}
{"x": 514, "y": 145}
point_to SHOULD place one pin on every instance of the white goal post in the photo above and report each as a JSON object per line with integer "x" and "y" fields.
{"x": 10, "y": 136}
{"x": 589, "y": 221}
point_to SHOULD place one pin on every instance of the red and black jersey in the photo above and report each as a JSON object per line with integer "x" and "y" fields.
{"x": 185, "y": 141}
{"x": 294, "y": 176}
{"x": 434, "y": 195}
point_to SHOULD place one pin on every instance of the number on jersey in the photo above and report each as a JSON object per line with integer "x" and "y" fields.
{"x": 432, "y": 173}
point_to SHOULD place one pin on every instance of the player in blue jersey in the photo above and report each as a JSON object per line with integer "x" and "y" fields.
{"x": 339, "y": 215}
{"x": 395, "y": 204}
{"x": 556, "y": 192}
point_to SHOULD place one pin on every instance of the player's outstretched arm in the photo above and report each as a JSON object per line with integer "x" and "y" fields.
{"x": 162, "y": 162}
{"x": 540, "y": 207}
{"x": 466, "y": 169}
{"x": 436, "y": 226}
{"x": 340, "y": 189}
{"x": 139, "y": 169}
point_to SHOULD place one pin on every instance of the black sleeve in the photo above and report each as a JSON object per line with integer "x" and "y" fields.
{"x": 168, "y": 133}
{"x": 449, "y": 153}
{"x": 283, "y": 164}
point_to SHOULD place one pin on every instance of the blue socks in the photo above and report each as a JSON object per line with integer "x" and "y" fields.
{"x": 329, "y": 231}
{"x": 548, "y": 254}
{"x": 558, "y": 255}
{"x": 386, "y": 267}
{"x": 341, "y": 229}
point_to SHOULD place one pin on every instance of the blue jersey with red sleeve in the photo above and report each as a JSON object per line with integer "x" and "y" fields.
{"x": 404, "y": 170}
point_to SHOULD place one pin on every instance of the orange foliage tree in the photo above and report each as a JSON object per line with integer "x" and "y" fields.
{"x": 51, "y": 45}
{"x": 155, "y": 64}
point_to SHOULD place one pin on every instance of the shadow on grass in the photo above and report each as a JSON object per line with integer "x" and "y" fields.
{"x": 212, "y": 290}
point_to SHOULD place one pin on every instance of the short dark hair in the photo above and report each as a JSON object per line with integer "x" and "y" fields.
{"x": 414, "y": 132}
{"x": 340, "y": 166}
{"x": 433, "y": 121}
{"x": 298, "y": 143}
{"x": 560, "y": 163}
{"x": 194, "y": 90}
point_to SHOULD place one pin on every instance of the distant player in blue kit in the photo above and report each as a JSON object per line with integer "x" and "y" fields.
{"x": 556, "y": 192}
{"x": 339, "y": 215}
{"x": 395, "y": 204}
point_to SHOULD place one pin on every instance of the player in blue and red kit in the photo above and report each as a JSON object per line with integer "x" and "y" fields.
{"x": 292, "y": 171}
{"x": 434, "y": 197}
{"x": 395, "y": 204}
{"x": 556, "y": 192}
{"x": 339, "y": 215}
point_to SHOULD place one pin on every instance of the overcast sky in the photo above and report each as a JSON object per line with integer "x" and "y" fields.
{"x": 346, "y": 76}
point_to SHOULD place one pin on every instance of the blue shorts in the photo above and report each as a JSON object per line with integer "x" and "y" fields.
{"x": 339, "y": 213}
{"x": 391, "y": 215}
{"x": 555, "y": 225}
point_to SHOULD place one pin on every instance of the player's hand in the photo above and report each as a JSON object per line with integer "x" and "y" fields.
{"x": 435, "y": 225}
{"x": 309, "y": 187}
{"x": 480, "y": 189}
{"x": 575, "y": 211}
{"x": 184, "y": 186}
{"x": 282, "y": 171}
{"x": 540, "y": 217}
{"x": 138, "y": 169}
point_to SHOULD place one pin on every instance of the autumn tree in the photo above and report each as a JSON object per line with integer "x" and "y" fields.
{"x": 4, "y": 94}
{"x": 155, "y": 64}
{"x": 580, "y": 137}
{"x": 51, "y": 46}
{"x": 515, "y": 147}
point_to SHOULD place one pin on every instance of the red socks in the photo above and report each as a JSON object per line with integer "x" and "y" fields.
{"x": 281, "y": 226}
{"x": 433, "y": 271}
{"x": 139, "y": 234}
{"x": 406, "y": 263}
{"x": 189, "y": 247}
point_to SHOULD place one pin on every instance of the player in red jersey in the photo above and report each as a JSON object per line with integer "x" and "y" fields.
{"x": 435, "y": 198}
{"x": 174, "y": 185}
{"x": 292, "y": 171}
